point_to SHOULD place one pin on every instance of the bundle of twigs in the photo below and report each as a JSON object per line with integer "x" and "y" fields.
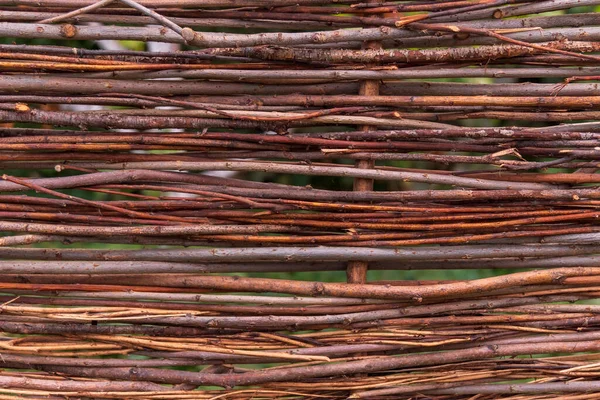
{"x": 440, "y": 135}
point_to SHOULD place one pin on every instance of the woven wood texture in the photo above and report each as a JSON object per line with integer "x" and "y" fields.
{"x": 299, "y": 199}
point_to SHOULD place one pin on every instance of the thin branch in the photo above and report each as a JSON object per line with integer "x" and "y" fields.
{"x": 78, "y": 12}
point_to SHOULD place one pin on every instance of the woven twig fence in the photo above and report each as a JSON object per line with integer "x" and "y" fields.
{"x": 436, "y": 136}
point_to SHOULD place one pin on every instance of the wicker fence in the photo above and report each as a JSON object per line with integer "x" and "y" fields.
{"x": 428, "y": 139}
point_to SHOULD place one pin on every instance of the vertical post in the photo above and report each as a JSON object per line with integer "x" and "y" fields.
{"x": 356, "y": 271}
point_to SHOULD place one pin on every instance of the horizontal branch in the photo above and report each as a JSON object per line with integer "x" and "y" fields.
{"x": 301, "y": 254}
